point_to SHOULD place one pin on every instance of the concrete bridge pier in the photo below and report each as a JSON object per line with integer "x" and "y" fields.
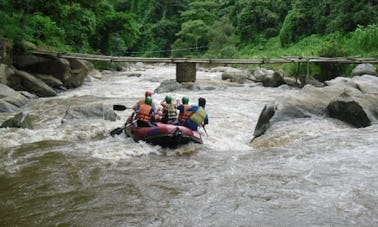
{"x": 185, "y": 72}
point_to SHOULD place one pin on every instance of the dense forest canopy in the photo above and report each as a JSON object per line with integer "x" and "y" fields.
{"x": 216, "y": 28}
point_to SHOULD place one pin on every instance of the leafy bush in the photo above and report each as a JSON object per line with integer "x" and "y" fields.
{"x": 41, "y": 29}
{"x": 366, "y": 39}
{"x": 332, "y": 48}
{"x": 291, "y": 30}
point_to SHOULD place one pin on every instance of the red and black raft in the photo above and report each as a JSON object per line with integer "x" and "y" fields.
{"x": 165, "y": 135}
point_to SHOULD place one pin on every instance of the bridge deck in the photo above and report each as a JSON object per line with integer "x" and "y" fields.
{"x": 282, "y": 60}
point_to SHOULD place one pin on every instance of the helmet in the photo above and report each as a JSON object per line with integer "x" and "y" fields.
{"x": 202, "y": 102}
{"x": 148, "y": 93}
{"x": 185, "y": 100}
{"x": 168, "y": 99}
{"x": 148, "y": 100}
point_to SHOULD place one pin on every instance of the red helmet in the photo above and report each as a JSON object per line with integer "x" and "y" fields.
{"x": 148, "y": 94}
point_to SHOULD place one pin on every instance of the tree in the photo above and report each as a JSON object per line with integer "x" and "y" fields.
{"x": 79, "y": 24}
{"x": 222, "y": 41}
{"x": 259, "y": 18}
{"x": 118, "y": 26}
{"x": 194, "y": 30}
{"x": 159, "y": 22}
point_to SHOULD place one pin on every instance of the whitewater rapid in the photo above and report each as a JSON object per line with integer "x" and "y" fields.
{"x": 303, "y": 172}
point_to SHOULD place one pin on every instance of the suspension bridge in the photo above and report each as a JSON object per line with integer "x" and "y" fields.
{"x": 186, "y": 67}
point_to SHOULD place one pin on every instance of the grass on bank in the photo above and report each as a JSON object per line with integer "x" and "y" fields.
{"x": 363, "y": 43}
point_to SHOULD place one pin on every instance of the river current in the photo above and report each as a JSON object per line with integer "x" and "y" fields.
{"x": 303, "y": 172}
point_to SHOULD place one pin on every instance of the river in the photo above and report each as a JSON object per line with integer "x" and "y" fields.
{"x": 303, "y": 172}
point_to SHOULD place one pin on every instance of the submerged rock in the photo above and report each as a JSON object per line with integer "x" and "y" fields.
{"x": 20, "y": 120}
{"x": 92, "y": 111}
{"x": 168, "y": 86}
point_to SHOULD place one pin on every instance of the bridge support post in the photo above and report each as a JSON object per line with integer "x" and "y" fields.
{"x": 185, "y": 72}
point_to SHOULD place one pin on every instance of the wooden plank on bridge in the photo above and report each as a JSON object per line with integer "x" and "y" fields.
{"x": 282, "y": 60}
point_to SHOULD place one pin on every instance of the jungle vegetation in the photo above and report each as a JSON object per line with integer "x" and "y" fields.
{"x": 195, "y": 28}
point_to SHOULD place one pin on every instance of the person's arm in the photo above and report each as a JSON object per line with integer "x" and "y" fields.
{"x": 193, "y": 108}
{"x": 152, "y": 114}
{"x": 181, "y": 108}
{"x": 206, "y": 121}
{"x": 136, "y": 106}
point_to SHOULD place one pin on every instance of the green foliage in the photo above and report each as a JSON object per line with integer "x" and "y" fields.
{"x": 82, "y": 25}
{"x": 222, "y": 40}
{"x": 42, "y": 30}
{"x": 325, "y": 17}
{"x": 194, "y": 32}
{"x": 107, "y": 65}
{"x": 258, "y": 18}
{"x": 195, "y": 28}
{"x": 114, "y": 26}
{"x": 204, "y": 10}
{"x": 346, "y": 16}
{"x": 291, "y": 30}
{"x": 365, "y": 39}
{"x": 10, "y": 27}
{"x": 155, "y": 41}
{"x": 332, "y": 48}
{"x": 159, "y": 22}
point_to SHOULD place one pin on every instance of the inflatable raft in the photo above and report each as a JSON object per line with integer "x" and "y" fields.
{"x": 165, "y": 135}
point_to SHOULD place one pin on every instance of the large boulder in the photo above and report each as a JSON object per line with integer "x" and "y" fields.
{"x": 238, "y": 76}
{"x": 269, "y": 78}
{"x": 46, "y": 65}
{"x": 26, "y": 81}
{"x": 5, "y": 73}
{"x": 50, "y": 80}
{"x": 350, "y": 100}
{"x": 263, "y": 123}
{"x": 70, "y": 72}
{"x": 363, "y": 69}
{"x": 11, "y": 100}
{"x": 168, "y": 86}
{"x": 90, "y": 111}
{"x": 359, "y": 111}
{"x": 366, "y": 83}
{"x": 79, "y": 70}
{"x": 7, "y": 107}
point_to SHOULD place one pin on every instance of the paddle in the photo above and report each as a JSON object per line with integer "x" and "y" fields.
{"x": 120, "y": 107}
{"x": 119, "y": 130}
{"x": 203, "y": 126}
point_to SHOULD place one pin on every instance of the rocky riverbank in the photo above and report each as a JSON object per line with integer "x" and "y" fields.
{"x": 33, "y": 76}
{"x": 352, "y": 100}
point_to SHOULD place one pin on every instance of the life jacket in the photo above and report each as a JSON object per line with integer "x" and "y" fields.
{"x": 171, "y": 111}
{"x": 186, "y": 114}
{"x": 144, "y": 112}
{"x": 137, "y": 105}
{"x": 199, "y": 116}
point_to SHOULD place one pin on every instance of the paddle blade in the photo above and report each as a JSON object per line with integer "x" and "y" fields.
{"x": 119, "y": 107}
{"x": 116, "y": 131}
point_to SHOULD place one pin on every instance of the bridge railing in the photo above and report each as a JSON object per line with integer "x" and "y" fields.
{"x": 186, "y": 67}
{"x": 288, "y": 59}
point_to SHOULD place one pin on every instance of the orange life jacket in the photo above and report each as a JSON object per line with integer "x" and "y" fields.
{"x": 186, "y": 114}
{"x": 144, "y": 112}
